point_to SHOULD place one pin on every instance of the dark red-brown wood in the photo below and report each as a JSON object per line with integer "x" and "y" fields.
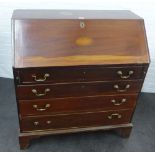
{"x": 78, "y": 56}
{"x": 26, "y": 137}
{"x": 79, "y": 74}
{"x": 64, "y": 42}
{"x": 77, "y": 89}
{"x": 63, "y": 121}
{"x": 79, "y": 104}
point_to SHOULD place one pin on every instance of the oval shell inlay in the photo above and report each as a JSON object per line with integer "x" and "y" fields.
{"x": 84, "y": 41}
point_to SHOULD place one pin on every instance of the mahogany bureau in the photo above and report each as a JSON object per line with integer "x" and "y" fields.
{"x": 77, "y": 71}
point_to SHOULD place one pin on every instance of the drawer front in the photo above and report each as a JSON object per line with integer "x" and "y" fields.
{"x": 77, "y": 89}
{"x": 49, "y": 106}
{"x": 78, "y": 74}
{"x": 76, "y": 120}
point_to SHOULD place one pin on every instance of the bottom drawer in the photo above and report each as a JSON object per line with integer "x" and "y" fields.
{"x": 63, "y": 121}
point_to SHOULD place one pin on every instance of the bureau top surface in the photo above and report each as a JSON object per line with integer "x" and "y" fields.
{"x": 74, "y": 14}
{"x": 69, "y": 38}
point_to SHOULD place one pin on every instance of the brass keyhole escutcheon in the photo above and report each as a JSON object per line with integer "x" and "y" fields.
{"x": 82, "y": 24}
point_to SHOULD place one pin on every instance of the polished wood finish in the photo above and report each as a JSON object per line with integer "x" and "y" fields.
{"x": 62, "y": 42}
{"x": 62, "y": 121}
{"x": 78, "y": 74}
{"x": 77, "y": 71}
{"x": 77, "y": 89}
{"x": 26, "y": 137}
{"x": 78, "y": 104}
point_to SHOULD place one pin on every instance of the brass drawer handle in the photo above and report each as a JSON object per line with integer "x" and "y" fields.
{"x": 118, "y": 103}
{"x": 41, "y": 80}
{"x": 41, "y": 109}
{"x": 122, "y": 90}
{"x": 115, "y": 115}
{"x": 36, "y": 123}
{"x": 125, "y": 76}
{"x": 36, "y": 93}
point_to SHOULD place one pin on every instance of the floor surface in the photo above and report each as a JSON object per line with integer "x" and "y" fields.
{"x": 142, "y": 137}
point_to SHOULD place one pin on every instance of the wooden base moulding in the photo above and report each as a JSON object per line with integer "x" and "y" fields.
{"x": 123, "y": 130}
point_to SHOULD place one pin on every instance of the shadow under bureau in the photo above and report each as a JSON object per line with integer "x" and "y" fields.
{"x": 77, "y": 71}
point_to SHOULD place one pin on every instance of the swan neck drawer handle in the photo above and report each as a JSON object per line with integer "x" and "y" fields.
{"x": 122, "y": 90}
{"x": 118, "y": 103}
{"x": 125, "y": 76}
{"x": 115, "y": 115}
{"x": 41, "y": 80}
{"x": 36, "y": 93}
{"x": 36, "y": 123}
{"x": 41, "y": 109}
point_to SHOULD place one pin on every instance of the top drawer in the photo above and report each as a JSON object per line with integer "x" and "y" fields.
{"x": 78, "y": 74}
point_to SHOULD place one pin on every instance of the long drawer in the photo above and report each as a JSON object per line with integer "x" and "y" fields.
{"x": 76, "y": 120}
{"x": 78, "y": 74}
{"x": 65, "y": 105}
{"x": 77, "y": 89}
